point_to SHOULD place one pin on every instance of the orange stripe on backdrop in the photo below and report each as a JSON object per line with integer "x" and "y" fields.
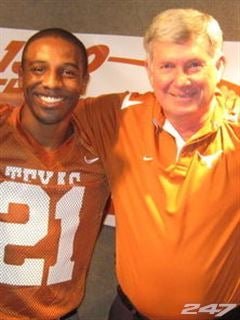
{"x": 230, "y": 85}
{"x": 127, "y": 60}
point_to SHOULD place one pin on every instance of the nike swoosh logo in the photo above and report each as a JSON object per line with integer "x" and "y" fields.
{"x": 127, "y": 102}
{"x": 210, "y": 159}
{"x": 90, "y": 161}
{"x": 147, "y": 158}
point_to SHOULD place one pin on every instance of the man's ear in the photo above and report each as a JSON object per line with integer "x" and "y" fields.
{"x": 148, "y": 67}
{"x": 85, "y": 82}
{"x": 220, "y": 65}
{"x": 20, "y": 77}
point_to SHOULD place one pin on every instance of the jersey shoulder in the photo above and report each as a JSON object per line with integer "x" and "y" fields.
{"x": 5, "y": 111}
{"x": 230, "y": 105}
{"x": 136, "y": 99}
{"x": 109, "y": 103}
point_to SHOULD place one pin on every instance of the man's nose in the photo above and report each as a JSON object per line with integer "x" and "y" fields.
{"x": 51, "y": 79}
{"x": 182, "y": 78}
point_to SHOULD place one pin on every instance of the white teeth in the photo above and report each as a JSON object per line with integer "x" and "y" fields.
{"x": 51, "y": 99}
{"x": 188, "y": 95}
{"x": 184, "y": 96}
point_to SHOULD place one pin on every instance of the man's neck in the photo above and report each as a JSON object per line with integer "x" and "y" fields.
{"x": 49, "y": 136}
{"x": 185, "y": 127}
{"x": 52, "y": 138}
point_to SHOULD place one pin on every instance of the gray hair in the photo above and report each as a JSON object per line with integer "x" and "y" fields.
{"x": 182, "y": 25}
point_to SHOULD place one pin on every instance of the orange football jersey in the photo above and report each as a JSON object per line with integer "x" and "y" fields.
{"x": 177, "y": 217}
{"x": 51, "y": 206}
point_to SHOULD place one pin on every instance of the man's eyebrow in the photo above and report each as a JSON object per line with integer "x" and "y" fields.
{"x": 33, "y": 61}
{"x": 71, "y": 64}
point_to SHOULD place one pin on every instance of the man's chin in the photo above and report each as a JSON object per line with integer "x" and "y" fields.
{"x": 183, "y": 111}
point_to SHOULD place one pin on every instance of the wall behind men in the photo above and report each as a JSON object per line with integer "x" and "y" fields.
{"x": 119, "y": 17}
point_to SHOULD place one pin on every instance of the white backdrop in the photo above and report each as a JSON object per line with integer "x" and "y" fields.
{"x": 116, "y": 62}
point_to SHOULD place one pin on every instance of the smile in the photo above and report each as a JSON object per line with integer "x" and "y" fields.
{"x": 187, "y": 95}
{"x": 50, "y": 99}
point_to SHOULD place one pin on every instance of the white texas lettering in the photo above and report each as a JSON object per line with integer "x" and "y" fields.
{"x": 74, "y": 176}
{"x": 13, "y": 172}
{"x": 30, "y": 175}
{"x": 45, "y": 176}
{"x": 61, "y": 178}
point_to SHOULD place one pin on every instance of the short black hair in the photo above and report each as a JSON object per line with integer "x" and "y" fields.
{"x": 63, "y": 34}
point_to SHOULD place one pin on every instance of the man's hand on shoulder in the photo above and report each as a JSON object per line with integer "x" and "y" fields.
{"x": 231, "y": 99}
{"x": 5, "y": 111}
{"x": 7, "y": 102}
{"x": 14, "y": 99}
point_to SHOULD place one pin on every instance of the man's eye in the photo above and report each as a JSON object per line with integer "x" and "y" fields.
{"x": 194, "y": 65}
{"x": 37, "y": 69}
{"x": 69, "y": 73}
{"x": 166, "y": 66}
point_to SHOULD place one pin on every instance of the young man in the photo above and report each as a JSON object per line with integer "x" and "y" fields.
{"x": 48, "y": 219}
{"x": 172, "y": 158}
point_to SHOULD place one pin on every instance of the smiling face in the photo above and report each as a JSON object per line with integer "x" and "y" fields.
{"x": 184, "y": 77}
{"x": 52, "y": 80}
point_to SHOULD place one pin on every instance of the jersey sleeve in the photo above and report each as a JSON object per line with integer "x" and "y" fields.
{"x": 231, "y": 104}
{"x": 5, "y": 111}
{"x": 14, "y": 99}
{"x": 99, "y": 120}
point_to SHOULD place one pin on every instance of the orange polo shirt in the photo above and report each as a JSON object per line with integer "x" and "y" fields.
{"x": 177, "y": 217}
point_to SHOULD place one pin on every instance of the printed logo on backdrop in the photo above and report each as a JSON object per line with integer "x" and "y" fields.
{"x": 116, "y": 63}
